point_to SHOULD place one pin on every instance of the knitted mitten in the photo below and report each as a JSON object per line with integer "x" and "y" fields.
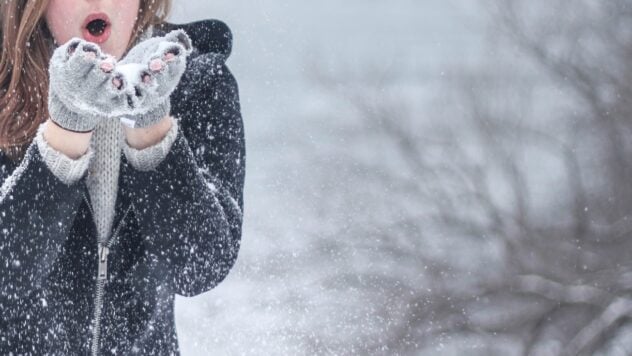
{"x": 151, "y": 71}
{"x": 83, "y": 87}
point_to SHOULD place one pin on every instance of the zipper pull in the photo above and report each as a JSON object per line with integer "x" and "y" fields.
{"x": 103, "y": 261}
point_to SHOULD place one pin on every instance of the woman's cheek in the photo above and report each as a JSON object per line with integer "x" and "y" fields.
{"x": 57, "y": 18}
{"x": 126, "y": 20}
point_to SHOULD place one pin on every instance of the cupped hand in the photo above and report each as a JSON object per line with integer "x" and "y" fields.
{"x": 84, "y": 87}
{"x": 152, "y": 70}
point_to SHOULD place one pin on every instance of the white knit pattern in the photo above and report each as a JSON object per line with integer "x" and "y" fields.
{"x": 68, "y": 170}
{"x": 103, "y": 173}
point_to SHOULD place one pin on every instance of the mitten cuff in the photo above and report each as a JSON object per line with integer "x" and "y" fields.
{"x": 68, "y": 170}
{"x": 68, "y": 119}
{"x": 149, "y": 158}
{"x": 149, "y": 118}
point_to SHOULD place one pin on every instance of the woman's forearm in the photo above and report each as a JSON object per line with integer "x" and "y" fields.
{"x": 72, "y": 144}
{"x": 140, "y": 138}
{"x": 75, "y": 145}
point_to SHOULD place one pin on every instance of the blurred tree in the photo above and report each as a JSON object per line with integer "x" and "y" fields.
{"x": 508, "y": 219}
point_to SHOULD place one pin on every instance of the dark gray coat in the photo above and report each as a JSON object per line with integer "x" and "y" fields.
{"x": 177, "y": 229}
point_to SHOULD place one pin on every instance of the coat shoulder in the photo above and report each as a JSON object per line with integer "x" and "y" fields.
{"x": 207, "y": 77}
{"x": 208, "y": 36}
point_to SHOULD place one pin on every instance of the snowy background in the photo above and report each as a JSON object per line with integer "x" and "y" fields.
{"x": 277, "y": 299}
{"x": 427, "y": 177}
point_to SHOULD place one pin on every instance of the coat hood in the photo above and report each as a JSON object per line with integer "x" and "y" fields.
{"x": 208, "y": 36}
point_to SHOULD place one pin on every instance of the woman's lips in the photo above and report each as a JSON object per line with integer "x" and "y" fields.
{"x": 96, "y": 37}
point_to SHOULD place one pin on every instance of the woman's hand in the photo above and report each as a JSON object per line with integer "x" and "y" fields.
{"x": 152, "y": 70}
{"x": 84, "y": 87}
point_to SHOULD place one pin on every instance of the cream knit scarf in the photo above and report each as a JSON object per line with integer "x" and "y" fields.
{"x": 103, "y": 173}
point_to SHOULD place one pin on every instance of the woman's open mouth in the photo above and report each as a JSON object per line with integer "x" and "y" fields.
{"x": 97, "y": 28}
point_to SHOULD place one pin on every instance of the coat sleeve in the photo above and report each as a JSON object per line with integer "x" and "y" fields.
{"x": 37, "y": 211}
{"x": 189, "y": 208}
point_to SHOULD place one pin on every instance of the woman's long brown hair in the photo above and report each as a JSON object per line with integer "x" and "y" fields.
{"x": 26, "y": 46}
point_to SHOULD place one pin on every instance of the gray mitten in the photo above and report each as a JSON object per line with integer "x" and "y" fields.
{"x": 151, "y": 71}
{"x": 83, "y": 86}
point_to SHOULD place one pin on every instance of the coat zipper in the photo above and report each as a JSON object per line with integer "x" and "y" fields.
{"x": 103, "y": 249}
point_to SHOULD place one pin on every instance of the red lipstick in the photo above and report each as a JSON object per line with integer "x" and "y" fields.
{"x": 97, "y": 28}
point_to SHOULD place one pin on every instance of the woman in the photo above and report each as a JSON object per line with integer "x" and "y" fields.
{"x": 122, "y": 163}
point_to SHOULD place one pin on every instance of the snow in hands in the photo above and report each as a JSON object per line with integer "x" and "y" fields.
{"x": 153, "y": 69}
{"x": 87, "y": 85}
